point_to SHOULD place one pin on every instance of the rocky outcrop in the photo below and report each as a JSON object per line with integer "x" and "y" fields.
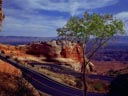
{"x": 61, "y": 51}
{"x": 1, "y": 14}
{"x": 57, "y": 49}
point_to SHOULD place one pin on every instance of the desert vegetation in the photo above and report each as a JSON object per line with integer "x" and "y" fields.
{"x": 98, "y": 86}
{"x": 11, "y": 85}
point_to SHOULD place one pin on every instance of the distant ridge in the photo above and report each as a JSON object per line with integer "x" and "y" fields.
{"x": 16, "y": 40}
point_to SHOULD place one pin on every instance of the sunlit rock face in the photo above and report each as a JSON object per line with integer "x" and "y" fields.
{"x": 57, "y": 49}
{"x": 73, "y": 51}
{"x": 9, "y": 69}
{"x": 66, "y": 51}
{"x": 1, "y": 14}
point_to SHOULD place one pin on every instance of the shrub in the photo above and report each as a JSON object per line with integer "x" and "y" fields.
{"x": 7, "y": 57}
{"x": 2, "y": 51}
{"x": 99, "y": 86}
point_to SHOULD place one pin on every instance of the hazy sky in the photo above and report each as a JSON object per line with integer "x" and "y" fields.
{"x": 40, "y": 18}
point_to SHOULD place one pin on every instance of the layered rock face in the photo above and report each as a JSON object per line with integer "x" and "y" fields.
{"x": 1, "y": 14}
{"x": 57, "y": 49}
{"x": 61, "y": 51}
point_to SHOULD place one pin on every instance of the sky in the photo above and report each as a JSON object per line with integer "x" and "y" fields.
{"x": 41, "y": 18}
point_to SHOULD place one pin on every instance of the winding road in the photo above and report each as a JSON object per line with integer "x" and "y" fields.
{"x": 43, "y": 83}
{"x": 46, "y": 84}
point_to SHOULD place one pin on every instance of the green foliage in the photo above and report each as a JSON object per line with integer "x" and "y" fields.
{"x": 95, "y": 25}
{"x": 100, "y": 27}
{"x": 99, "y": 86}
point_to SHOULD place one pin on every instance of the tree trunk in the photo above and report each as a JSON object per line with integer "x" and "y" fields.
{"x": 83, "y": 71}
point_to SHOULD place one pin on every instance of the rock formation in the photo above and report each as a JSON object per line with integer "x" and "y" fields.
{"x": 57, "y": 49}
{"x": 1, "y": 14}
{"x": 61, "y": 51}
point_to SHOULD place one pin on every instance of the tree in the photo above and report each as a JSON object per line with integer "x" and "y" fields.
{"x": 100, "y": 28}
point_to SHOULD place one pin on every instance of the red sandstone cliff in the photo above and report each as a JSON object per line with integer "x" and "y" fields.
{"x": 57, "y": 49}
{"x": 61, "y": 51}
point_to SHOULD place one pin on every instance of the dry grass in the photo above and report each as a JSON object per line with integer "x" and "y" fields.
{"x": 8, "y": 68}
{"x": 63, "y": 78}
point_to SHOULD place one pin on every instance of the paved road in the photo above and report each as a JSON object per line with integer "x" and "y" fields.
{"x": 43, "y": 83}
{"x": 57, "y": 68}
{"x": 107, "y": 78}
{"x": 61, "y": 69}
{"x": 47, "y": 85}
